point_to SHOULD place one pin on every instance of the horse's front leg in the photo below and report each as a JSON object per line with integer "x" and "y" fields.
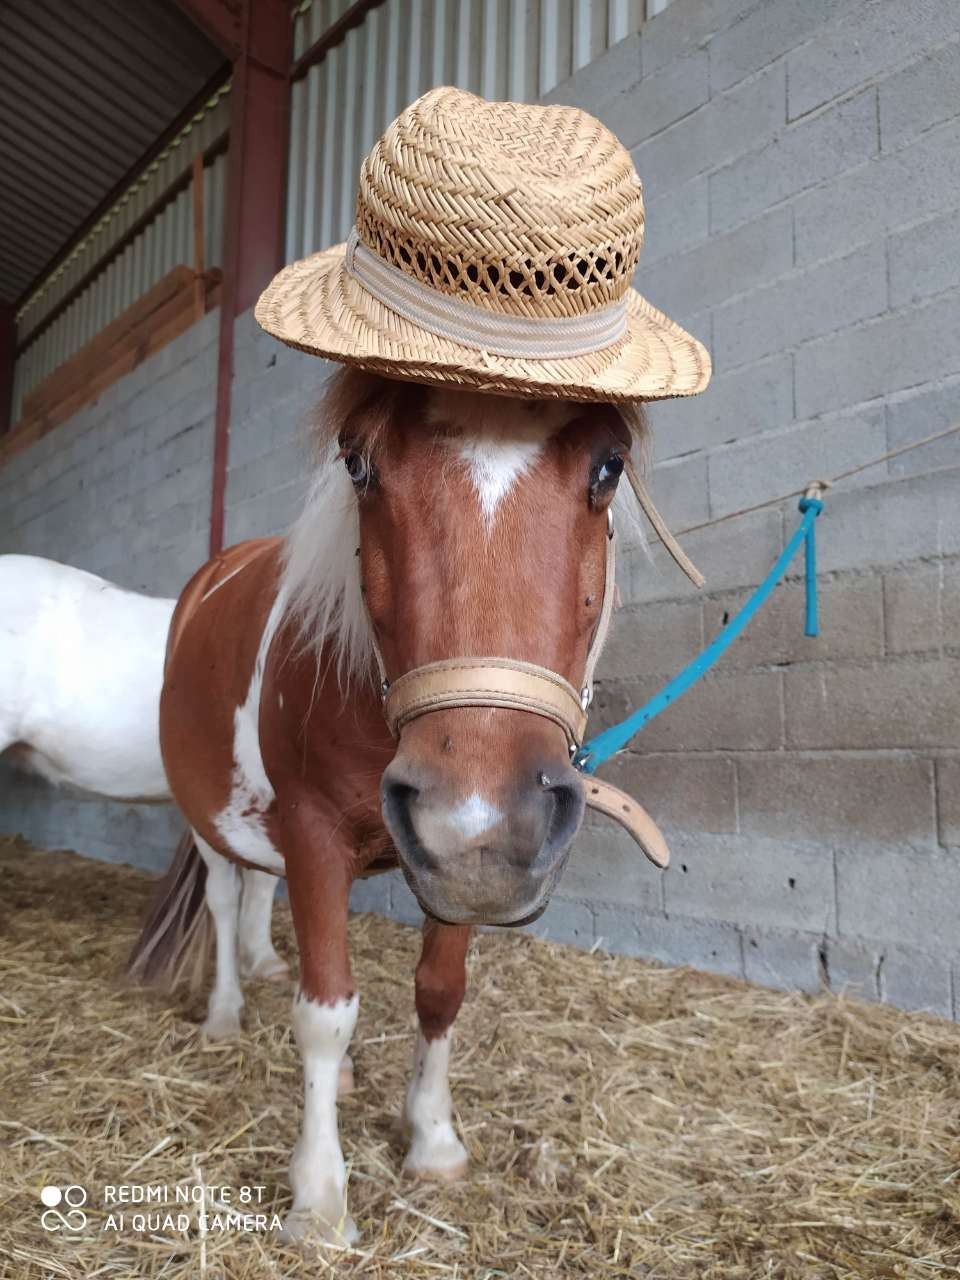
{"x": 435, "y": 1150}
{"x": 324, "y": 1016}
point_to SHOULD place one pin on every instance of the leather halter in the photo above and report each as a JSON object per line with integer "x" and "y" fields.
{"x": 525, "y": 686}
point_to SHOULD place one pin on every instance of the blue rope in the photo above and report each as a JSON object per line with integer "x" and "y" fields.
{"x": 599, "y": 749}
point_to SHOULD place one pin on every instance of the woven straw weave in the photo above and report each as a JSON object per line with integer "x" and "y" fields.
{"x": 525, "y": 211}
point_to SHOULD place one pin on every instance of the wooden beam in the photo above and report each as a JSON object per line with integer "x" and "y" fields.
{"x": 109, "y": 200}
{"x": 216, "y": 148}
{"x": 352, "y": 17}
{"x": 221, "y": 21}
{"x": 8, "y": 353}
{"x": 256, "y": 188}
{"x": 198, "y": 247}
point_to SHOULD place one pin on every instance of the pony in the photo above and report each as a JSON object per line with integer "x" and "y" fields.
{"x": 81, "y": 668}
{"x": 440, "y": 524}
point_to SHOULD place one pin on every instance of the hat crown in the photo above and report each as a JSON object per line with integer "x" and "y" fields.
{"x": 523, "y": 210}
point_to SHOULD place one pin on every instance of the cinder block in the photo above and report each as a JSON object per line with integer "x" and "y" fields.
{"x": 680, "y": 791}
{"x": 914, "y": 979}
{"x": 716, "y": 134}
{"x": 735, "y": 554}
{"x": 853, "y": 968}
{"x": 925, "y": 259}
{"x": 606, "y": 866}
{"x": 403, "y": 905}
{"x": 861, "y": 43}
{"x": 723, "y": 267}
{"x": 770, "y": 884}
{"x": 950, "y": 605}
{"x": 834, "y": 798}
{"x": 680, "y": 28}
{"x": 760, "y": 468}
{"x": 756, "y": 397}
{"x": 920, "y": 95}
{"x": 565, "y": 921}
{"x": 900, "y": 896}
{"x": 899, "y": 350}
{"x": 669, "y": 939}
{"x": 851, "y": 624}
{"x": 279, "y": 467}
{"x": 679, "y": 489}
{"x": 912, "y": 610}
{"x": 920, "y": 517}
{"x": 920, "y": 413}
{"x": 767, "y": 32}
{"x": 801, "y": 156}
{"x": 889, "y": 192}
{"x": 735, "y": 711}
{"x": 679, "y": 219}
{"x": 658, "y": 100}
{"x": 786, "y": 961}
{"x": 948, "y": 800}
{"x": 652, "y": 641}
{"x": 801, "y": 306}
{"x": 371, "y": 895}
{"x": 595, "y": 83}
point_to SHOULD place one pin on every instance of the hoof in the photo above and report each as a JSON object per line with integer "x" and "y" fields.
{"x": 223, "y": 1025}
{"x": 269, "y": 969}
{"x": 444, "y": 1162}
{"x": 345, "y": 1081}
{"x": 301, "y": 1226}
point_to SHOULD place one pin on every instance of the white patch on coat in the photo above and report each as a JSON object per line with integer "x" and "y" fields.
{"x": 474, "y": 816}
{"x": 81, "y": 668}
{"x": 222, "y": 894}
{"x": 435, "y": 1148}
{"x": 241, "y": 824}
{"x": 318, "y": 1175}
{"x": 497, "y": 438}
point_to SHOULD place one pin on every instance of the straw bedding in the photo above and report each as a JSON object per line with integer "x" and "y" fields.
{"x": 623, "y": 1119}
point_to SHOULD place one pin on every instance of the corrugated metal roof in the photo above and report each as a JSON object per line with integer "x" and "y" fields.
{"x": 87, "y": 87}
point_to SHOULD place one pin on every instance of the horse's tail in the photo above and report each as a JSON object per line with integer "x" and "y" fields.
{"x": 175, "y": 941}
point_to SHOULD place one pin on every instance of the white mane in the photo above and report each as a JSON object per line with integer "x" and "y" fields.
{"x": 321, "y": 566}
{"x": 321, "y": 571}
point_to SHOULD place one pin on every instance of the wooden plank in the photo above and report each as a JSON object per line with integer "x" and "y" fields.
{"x": 112, "y": 354}
{"x": 173, "y": 282}
{"x": 199, "y": 301}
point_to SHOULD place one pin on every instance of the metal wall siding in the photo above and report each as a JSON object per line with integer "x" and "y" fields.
{"x": 164, "y": 243}
{"x": 516, "y": 49}
{"x": 202, "y": 132}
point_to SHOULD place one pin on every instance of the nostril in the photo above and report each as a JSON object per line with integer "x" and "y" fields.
{"x": 567, "y": 802}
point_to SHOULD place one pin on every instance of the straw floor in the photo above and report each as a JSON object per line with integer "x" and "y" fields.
{"x": 622, "y": 1119}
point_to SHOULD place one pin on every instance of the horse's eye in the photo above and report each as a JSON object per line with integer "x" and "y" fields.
{"x": 357, "y": 469}
{"x": 610, "y": 471}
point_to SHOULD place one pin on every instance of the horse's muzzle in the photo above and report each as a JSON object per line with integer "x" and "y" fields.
{"x": 479, "y": 859}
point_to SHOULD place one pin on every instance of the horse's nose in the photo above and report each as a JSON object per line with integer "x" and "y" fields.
{"x": 483, "y": 857}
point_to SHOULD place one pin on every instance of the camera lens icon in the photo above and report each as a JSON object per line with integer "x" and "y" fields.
{"x": 72, "y": 1197}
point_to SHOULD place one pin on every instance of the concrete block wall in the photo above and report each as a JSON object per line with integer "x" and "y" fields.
{"x": 121, "y": 489}
{"x": 802, "y": 184}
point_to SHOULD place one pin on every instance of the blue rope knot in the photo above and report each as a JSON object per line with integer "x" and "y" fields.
{"x": 808, "y": 505}
{"x": 599, "y": 749}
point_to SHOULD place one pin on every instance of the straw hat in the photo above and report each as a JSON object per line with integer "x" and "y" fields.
{"x": 493, "y": 249}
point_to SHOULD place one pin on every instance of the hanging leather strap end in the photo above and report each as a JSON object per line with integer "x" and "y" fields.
{"x": 680, "y": 557}
{"x": 616, "y": 804}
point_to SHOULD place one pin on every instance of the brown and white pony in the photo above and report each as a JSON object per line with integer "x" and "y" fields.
{"x": 440, "y": 524}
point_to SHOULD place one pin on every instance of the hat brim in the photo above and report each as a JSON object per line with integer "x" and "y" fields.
{"x": 316, "y": 306}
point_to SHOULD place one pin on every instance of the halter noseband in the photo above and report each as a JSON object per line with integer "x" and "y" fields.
{"x": 502, "y": 682}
